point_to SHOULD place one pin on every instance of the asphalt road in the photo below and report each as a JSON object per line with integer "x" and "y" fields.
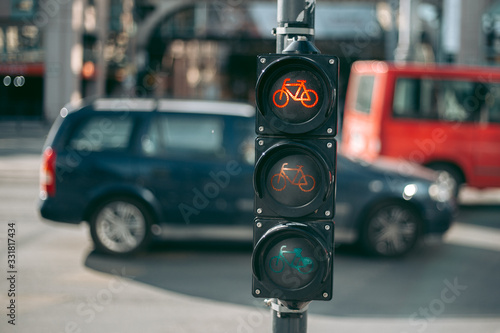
{"x": 363, "y": 287}
{"x": 61, "y": 285}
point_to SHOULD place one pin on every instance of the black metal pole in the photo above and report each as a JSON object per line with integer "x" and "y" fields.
{"x": 295, "y": 18}
{"x": 289, "y": 317}
{"x": 295, "y": 22}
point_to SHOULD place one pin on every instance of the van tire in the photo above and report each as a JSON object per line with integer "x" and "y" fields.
{"x": 121, "y": 226}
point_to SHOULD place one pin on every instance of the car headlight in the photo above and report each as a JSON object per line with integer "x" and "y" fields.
{"x": 442, "y": 189}
{"x": 409, "y": 191}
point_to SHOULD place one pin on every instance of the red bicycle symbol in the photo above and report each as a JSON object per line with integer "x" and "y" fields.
{"x": 305, "y": 182}
{"x": 307, "y": 97}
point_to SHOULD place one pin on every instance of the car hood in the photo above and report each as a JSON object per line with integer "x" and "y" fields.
{"x": 400, "y": 167}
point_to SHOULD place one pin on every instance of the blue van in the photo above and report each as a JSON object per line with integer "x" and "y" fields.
{"x": 135, "y": 169}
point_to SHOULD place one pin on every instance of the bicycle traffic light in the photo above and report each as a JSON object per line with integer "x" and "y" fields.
{"x": 296, "y": 94}
{"x": 295, "y": 176}
{"x": 292, "y": 261}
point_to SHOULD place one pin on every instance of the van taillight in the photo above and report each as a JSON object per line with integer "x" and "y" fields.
{"x": 48, "y": 174}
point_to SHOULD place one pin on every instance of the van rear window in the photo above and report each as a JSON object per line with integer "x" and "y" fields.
{"x": 364, "y": 93}
{"x": 446, "y": 100}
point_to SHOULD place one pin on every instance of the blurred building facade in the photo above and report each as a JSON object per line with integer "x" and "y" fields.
{"x": 54, "y": 51}
{"x": 21, "y": 61}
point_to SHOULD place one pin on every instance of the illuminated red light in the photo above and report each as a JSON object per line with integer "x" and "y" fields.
{"x": 308, "y": 97}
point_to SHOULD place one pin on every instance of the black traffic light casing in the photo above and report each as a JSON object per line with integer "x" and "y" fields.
{"x": 295, "y": 176}
{"x": 281, "y": 271}
{"x": 285, "y": 106}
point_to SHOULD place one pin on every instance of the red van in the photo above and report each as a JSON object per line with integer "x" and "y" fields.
{"x": 443, "y": 117}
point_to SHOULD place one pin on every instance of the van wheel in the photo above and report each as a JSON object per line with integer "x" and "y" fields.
{"x": 120, "y": 226}
{"x": 390, "y": 230}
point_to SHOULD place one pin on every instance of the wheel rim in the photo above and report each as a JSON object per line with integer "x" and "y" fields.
{"x": 393, "y": 230}
{"x": 120, "y": 227}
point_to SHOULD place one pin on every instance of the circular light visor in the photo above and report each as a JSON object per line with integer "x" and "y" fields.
{"x": 294, "y": 95}
{"x": 293, "y": 179}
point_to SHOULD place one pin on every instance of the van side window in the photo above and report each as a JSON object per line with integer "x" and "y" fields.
{"x": 493, "y": 102}
{"x": 103, "y": 132}
{"x": 495, "y": 114}
{"x": 445, "y": 100}
{"x": 364, "y": 93}
{"x": 185, "y": 135}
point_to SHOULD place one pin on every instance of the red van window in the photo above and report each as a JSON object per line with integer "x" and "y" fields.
{"x": 493, "y": 102}
{"x": 494, "y": 115}
{"x": 364, "y": 93}
{"x": 453, "y": 101}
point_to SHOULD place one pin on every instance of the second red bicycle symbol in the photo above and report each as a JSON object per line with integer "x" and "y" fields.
{"x": 305, "y": 182}
{"x": 307, "y": 97}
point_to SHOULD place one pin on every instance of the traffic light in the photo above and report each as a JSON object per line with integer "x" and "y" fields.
{"x": 296, "y": 94}
{"x": 295, "y": 176}
{"x": 292, "y": 261}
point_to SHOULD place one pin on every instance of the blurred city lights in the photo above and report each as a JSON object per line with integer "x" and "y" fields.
{"x": 6, "y": 81}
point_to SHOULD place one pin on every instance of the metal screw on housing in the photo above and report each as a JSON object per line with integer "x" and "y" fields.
{"x": 327, "y": 227}
{"x": 263, "y": 60}
{"x": 325, "y": 295}
{"x": 329, "y": 130}
{"x": 261, "y": 128}
{"x": 331, "y": 61}
{"x": 259, "y": 210}
{"x": 259, "y": 225}
{"x": 257, "y": 291}
{"x": 261, "y": 142}
{"x": 328, "y": 213}
{"x": 329, "y": 145}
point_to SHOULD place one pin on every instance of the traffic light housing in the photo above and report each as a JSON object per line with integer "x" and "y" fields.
{"x": 292, "y": 261}
{"x": 297, "y": 94}
{"x": 295, "y": 176}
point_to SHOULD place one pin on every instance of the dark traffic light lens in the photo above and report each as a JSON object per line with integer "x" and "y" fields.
{"x": 291, "y": 263}
{"x": 294, "y": 180}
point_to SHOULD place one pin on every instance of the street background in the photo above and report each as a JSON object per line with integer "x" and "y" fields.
{"x": 204, "y": 286}
{"x": 56, "y": 51}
